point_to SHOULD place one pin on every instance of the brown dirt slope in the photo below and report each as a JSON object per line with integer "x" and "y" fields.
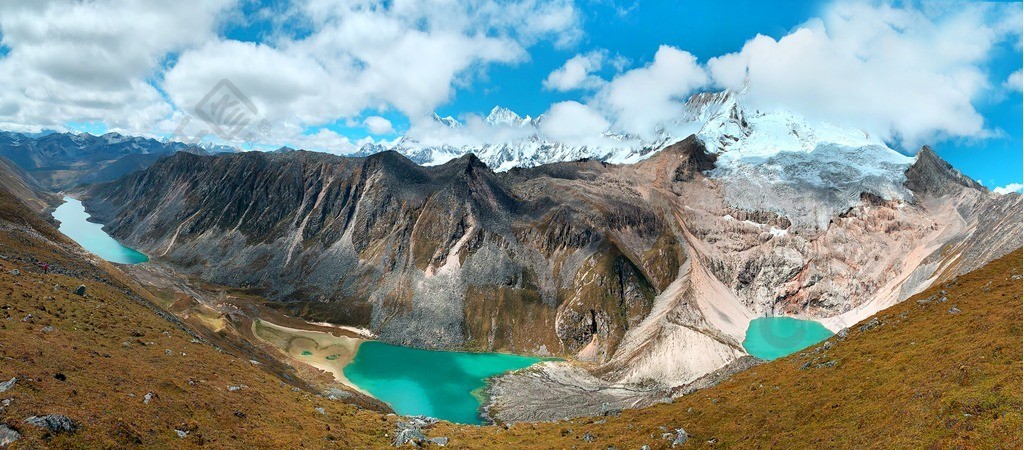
{"x": 917, "y": 375}
{"x": 95, "y": 357}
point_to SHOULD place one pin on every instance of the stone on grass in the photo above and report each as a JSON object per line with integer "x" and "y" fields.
{"x": 53, "y": 423}
{"x": 8, "y": 436}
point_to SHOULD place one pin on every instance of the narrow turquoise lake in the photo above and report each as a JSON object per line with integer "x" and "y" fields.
{"x": 445, "y": 385}
{"x": 74, "y": 224}
{"x": 774, "y": 337}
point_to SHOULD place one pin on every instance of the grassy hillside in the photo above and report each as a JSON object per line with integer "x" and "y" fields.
{"x": 917, "y": 375}
{"x": 94, "y": 358}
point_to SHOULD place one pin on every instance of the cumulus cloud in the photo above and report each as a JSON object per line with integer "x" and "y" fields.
{"x": 901, "y": 73}
{"x": 573, "y": 122}
{"x": 378, "y": 125}
{"x": 141, "y": 67}
{"x": 577, "y": 73}
{"x": 407, "y": 55}
{"x": 1010, "y": 188}
{"x": 1014, "y": 82}
{"x": 91, "y": 61}
{"x": 641, "y": 99}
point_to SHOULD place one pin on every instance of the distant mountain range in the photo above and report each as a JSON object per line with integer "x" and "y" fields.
{"x": 721, "y": 120}
{"x": 63, "y": 160}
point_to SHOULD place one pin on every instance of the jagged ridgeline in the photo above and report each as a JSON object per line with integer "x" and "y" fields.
{"x": 529, "y": 261}
{"x": 570, "y": 258}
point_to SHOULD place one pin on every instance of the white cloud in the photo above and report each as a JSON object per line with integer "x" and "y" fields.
{"x": 573, "y": 123}
{"x": 378, "y": 125}
{"x": 577, "y": 73}
{"x": 1014, "y": 82}
{"x": 1012, "y": 187}
{"x": 405, "y": 55}
{"x": 90, "y": 61}
{"x": 896, "y": 72}
{"x": 108, "y": 60}
{"x": 639, "y": 100}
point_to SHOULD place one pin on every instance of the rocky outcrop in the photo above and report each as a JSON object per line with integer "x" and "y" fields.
{"x": 931, "y": 176}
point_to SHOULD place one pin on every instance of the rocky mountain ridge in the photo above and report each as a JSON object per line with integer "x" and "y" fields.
{"x": 649, "y": 272}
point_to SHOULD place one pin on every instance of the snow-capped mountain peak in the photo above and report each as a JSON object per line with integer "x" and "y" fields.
{"x": 503, "y": 116}
{"x": 447, "y": 121}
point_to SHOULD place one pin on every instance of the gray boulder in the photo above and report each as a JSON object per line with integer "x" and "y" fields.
{"x": 80, "y": 290}
{"x": 8, "y": 436}
{"x": 680, "y": 438}
{"x": 53, "y": 423}
{"x": 7, "y": 385}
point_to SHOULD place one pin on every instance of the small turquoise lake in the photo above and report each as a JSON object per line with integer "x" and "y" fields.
{"x": 445, "y": 385}
{"x": 774, "y": 337}
{"x": 74, "y": 224}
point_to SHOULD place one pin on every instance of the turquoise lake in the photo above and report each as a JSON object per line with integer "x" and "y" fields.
{"x": 774, "y": 337}
{"x": 445, "y": 385}
{"x": 74, "y": 224}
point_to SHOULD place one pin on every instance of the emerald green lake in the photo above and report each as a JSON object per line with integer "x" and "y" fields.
{"x": 425, "y": 382}
{"x": 774, "y": 337}
{"x": 74, "y": 224}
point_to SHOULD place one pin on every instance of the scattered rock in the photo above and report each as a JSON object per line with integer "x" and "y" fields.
{"x": 411, "y": 430}
{"x": 148, "y": 398}
{"x": 954, "y": 310}
{"x": 8, "y": 436}
{"x": 645, "y": 447}
{"x": 680, "y": 438}
{"x": 321, "y": 410}
{"x": 60, "y": 376}
{"x": 15, "y": 272}
{"x": 409, "y": 436}
{"x": 337, "y": 394}
{"x": 239, "y": 414}
{"x": 7, "y": 385}
{"x": 48, "y": 329}
{"x": 1015, "y": 277}
{"x": 53, "y": 423}
{"x": 236, "y": 388}
{"x": 874, "y": 322}
{"x": 181, "y": 433}
{"x": 80, "y": 290}
{"x": 440, "y": 441}
{"x": 588, "y": 437}
{"x": 826, "y": 364}
{"x": 608, "y": 410}
{"x": 28, "y": 318}
{"x": 943, "y": 300}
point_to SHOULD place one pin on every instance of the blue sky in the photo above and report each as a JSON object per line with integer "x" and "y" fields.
{"x": 331, "y": 74}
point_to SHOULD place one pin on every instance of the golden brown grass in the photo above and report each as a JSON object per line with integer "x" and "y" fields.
{"x": 110, "y": 348}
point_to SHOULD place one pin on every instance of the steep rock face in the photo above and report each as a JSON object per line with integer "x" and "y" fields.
{"x": 650, "y": 271}
{"x": 430, "y": 256}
